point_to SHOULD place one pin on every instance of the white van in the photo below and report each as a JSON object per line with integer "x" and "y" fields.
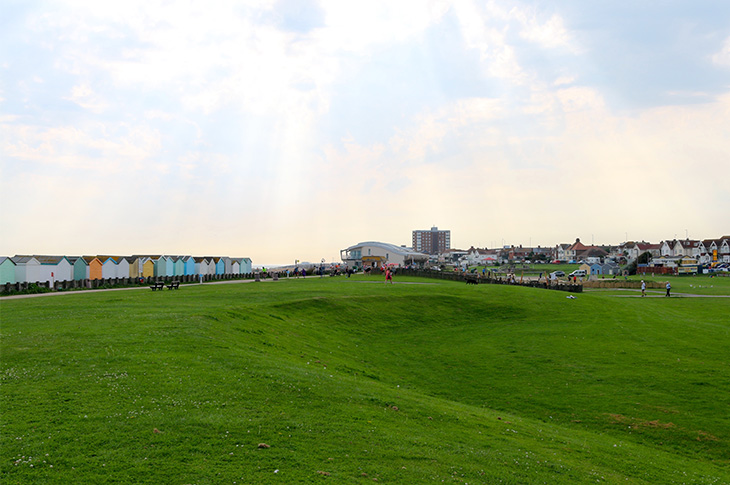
{"x": 578, "y": 273}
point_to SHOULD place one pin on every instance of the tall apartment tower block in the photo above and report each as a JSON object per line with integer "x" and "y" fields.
{"x": 432, "y": 241}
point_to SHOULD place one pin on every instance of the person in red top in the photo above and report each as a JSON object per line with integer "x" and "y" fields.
{"x": 388, "y": 276}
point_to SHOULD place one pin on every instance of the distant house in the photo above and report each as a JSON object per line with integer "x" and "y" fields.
{"x": 228, "y": 265}
{"x": 476, "y": 256}
{"x": 450, "y": 256}
{"x": 667, "y": 249}
{"x": 719, "y": 249}
{"x": 235, "y": 266}
{"x": 560, "y": 252}
{"x": 687, "y": 247}
{"x": 611, "y": 268}
{"x": 27, "y": 269}
{"x": 637, "y": 249}
{"x": 572, "y": 252}
{"x": 596, "y": 269}
{"x": 7, "y": 270}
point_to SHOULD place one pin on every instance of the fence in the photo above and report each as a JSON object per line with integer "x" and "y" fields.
{"x": 622, "y": 284}
{"x": 491, "y": 280}
{"x": 69, "y": 285}
{"x": 656, "y": 270}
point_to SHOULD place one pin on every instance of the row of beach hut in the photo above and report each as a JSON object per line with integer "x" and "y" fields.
{"x": 38, "y": 268}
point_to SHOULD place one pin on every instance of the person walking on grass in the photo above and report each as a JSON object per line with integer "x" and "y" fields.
{"x": 388, "y": 276}
{"x": 669, "y": 287}
{"x": 643, "y": 288}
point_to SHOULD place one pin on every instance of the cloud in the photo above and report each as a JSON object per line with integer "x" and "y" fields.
{"x": 85, "y": 149}
{"x": 339, "y": 121}
{"x": 722, "y": 57}
{"x": 87, "y": 99}
{"x": 579, "y": 98}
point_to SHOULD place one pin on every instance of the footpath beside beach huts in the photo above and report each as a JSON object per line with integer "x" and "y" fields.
{"x": 7, "y": 270}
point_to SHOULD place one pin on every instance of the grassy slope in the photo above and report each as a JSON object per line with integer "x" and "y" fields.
{"x": 491, "y": 384}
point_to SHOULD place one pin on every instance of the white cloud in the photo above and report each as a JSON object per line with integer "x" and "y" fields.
{"x": 86, "y": 149}
{"x": 722, "y": 57}
{"x": 579, "y": 98}
{"x": 549, "y": 34}
{"x": 497, "y": 56}
{"x": 83, "y": 95}
{"x": 562, "y": 80}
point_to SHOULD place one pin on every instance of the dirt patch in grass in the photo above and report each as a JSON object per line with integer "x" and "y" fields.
{"x": 636, "y": 423}
{"x": 703, "y": 436}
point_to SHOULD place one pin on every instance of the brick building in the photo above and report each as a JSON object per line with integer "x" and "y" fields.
{"x": 431, "y": 241}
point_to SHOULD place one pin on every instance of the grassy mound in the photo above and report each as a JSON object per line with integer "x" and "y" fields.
{"x": 351, "y": 380}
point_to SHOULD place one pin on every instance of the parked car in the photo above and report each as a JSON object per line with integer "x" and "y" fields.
{"x": 558, "y": 274}
{"x": 579, "y": 273}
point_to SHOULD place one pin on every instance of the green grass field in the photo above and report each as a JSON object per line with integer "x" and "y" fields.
{"x": 353, "y": 381}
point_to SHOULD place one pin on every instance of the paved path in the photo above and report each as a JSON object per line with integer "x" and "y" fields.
{"x": 651, "y": 294}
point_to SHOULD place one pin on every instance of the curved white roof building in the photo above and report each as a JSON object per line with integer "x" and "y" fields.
{"x": 373, "y": 254}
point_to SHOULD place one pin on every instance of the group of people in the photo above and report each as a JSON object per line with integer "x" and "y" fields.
{"x": 668, "y": 286}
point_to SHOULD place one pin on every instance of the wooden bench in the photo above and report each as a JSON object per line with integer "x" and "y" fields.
{"x": 157, "y": 286}
{"x": 175, "y": 285}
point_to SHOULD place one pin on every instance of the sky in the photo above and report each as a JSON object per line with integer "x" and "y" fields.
{"x": 292, "y": 129}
